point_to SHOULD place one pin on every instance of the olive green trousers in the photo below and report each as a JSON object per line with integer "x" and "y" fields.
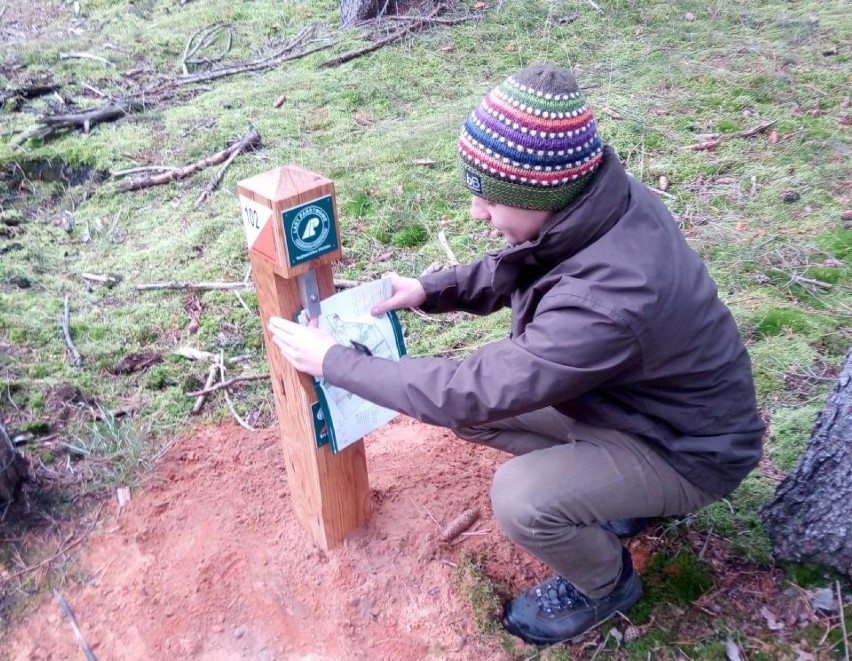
{"x": 565, "y": 479}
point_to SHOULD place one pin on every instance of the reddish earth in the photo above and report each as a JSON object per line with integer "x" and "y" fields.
{"x": 208, "y": 561}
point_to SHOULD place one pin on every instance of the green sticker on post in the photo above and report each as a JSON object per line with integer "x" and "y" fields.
{"x": 320, "y": 425}
{"x": 310, "y": 230}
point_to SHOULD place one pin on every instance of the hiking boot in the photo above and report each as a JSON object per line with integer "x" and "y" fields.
{"x": 626, "y": 528}
{"x": 556, "y": 611}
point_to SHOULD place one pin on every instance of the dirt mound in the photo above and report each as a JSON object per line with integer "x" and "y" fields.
{"x": 208, "y": 561}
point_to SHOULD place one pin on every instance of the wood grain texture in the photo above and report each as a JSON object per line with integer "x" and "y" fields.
{"x": 330, "y": 492}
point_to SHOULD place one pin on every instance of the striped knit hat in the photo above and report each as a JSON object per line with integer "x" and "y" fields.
{"x": 532, "y": 143}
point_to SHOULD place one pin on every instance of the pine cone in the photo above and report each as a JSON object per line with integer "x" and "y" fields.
{"x": 632, "y": 633}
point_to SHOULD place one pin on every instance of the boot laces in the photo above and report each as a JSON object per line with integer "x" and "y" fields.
{"x": 558, "y": 595}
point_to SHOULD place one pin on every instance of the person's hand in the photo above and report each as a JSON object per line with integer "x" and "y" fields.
{"x": 304, "y": 346}
{"x": 407, "y": 293}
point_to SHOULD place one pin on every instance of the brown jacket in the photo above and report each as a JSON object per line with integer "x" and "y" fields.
{"x": 615, "y": 322}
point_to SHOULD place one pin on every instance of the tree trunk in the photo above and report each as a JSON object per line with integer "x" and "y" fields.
{"x": 810, "y": 518}
{"x": 13, "y": 467}
{"x": 353, "y": 11}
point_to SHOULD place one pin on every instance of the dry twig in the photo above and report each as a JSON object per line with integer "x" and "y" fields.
{"x": 199, "y": 401}
{"x": 201, "y": 40}
{"x": 81, "y": 640}
{"x": 451, "y": 256}
{"x": 228, "y": 401}
{"x": 225, "y": 384}
{"x": 760, "y": 128}
{"x": 85, "y": 56}
{"x": 280, "y": 56}
{"x": 250, "y": 141}
{"x": 76, "y": 358}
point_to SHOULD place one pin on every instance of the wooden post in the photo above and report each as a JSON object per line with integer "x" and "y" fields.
{"x": 290, "y": 219}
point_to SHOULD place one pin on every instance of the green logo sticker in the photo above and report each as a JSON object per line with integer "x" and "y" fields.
{"x": 320, "y": 425}
{"x": 310, "y": 230}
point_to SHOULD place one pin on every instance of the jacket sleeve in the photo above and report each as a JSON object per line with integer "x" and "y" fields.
{"x": 561, "y": 354}
{"x": 465, "y": 287}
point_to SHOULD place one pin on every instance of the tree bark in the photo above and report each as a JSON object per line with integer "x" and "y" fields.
{"x": 353, "y": 11}
{"x": 13, "y": 467}
{"x": 810, "y": 518}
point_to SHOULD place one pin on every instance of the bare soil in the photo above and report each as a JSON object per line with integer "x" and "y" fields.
{"x": 209, "y": 562}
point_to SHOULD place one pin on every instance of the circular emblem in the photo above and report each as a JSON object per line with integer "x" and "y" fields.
{"x": 310, "y": 228}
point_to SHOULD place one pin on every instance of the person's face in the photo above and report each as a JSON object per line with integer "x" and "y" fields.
{"x": 513, "y": 224}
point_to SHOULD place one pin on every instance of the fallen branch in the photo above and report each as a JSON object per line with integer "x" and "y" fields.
{"x": 594, "y": 5}
{"x": 243, "y": 423}
{"x": 52, "y": 124}
{"x": 76, "y": 358}
{"x": 393, "y": 36}
{"x": 284, "y": 54}
{"x": 760, "y": 128}
{"x": 250, "y": 140}
{"x": 222, "y": 385}
{"x": 211, "y": 377}
{"x": 85, "y": 56}
{"x": 105, "y": 279}
{"x": 81, "y": 640}
{"x": 194, "y": 286}
{"x": 145, "y": 168}
{"x": 660, "y": 191}
{"x": 202, "y": 39}
{"x": 33, "y": 91}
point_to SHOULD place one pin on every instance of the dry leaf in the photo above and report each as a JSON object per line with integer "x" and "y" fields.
{"x": 279, "y": 101}
{"x": 480, "y": 5}
{"x": 659, "y": 110}
{"x": 689, "y": 16}
{"x": 664, "y": 184}
{"x": 510, "y": 48}
{"x": 424, "y": 161}
{"x": 773, "y": 137}
{"x": 446, "y": 47}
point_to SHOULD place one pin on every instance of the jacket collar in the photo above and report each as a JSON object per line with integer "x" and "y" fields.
{"x": 591, "y": 215}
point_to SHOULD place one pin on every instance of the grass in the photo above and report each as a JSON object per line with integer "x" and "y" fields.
{"x": 673, "y": 74}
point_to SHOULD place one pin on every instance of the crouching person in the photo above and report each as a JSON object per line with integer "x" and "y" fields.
{"x": 623, "y": 391}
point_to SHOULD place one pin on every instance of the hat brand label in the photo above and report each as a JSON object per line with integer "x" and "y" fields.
{"x": 473, "y": 182}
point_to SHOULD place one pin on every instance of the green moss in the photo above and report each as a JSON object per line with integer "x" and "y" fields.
{"x": 737, "y": 519}
{"x": 671, "y": 580}
{"x": 838, "y": 242}
{"x": 790, "y": 430}
{"x": 482, "y": 594}
{"x": 776, "y": 321}
{"x": 36, "y": 427}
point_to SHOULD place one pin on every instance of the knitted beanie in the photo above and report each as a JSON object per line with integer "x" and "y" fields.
{"x": 532, "y": 143}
